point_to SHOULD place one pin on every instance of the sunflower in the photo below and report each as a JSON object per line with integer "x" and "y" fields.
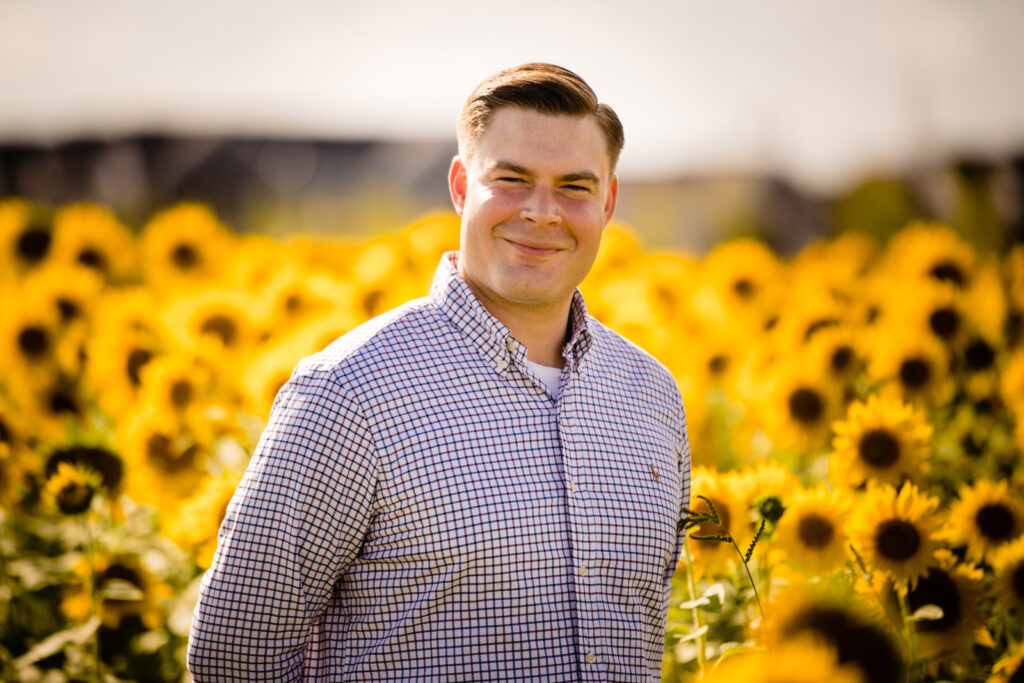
{"x": 1008, "y": 565}
{"x": 835, "y": 353}
{"x": 29, "y": 341}
{"x": 294, "y": 298}
{"x": 894, "y": 532}
{"x": 803, "y": 659}
{"x": 985, "y": 516}
{"x": 1011, "y": 387}
{"x": 103, "y": 462}
{"x": 179, "y": 385}
{"x": 90, "y": 235}
{"x": 25, "y": 237}
{"x": 1009, "y": 669}
{"x": 924, "y": 250}
{"x": 114, "y": 370}
{"x": 268, "y": 371}
{"x": 712, "y": 557}
{"x": 198, "y": 519}
{"x": 936, "y": 309}
{"x": 882, "y": 440}
{"x": 221, "y": 317}
{"x": 165, "y": 462}
{"x": 801, "y": 407}
{"x": 811, "y": 532}
{"x": 125, "y": 587}
{"x": 429, "y": 236}
{"x": 742, "y": 278}
{"x": 956, "y": 589}
{"x": 912, "y": 364}
{"x": 835, "y": 266}
{"x": 620, "y": 245}
{"x": 184, "y": 245}
{"x": 52, "y": 408}
{"x": 834, "y": 619}
{"x": 70, "y": 289}
{"x": 72, "y": 487}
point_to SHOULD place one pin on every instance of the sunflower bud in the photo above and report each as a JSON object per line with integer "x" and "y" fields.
{"x": 770, "y": 507}
{"x": 72, "y": 488}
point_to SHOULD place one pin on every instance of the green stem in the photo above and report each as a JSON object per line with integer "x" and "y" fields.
{"x": 753, "y": 584}
{"x": 93, "y": 590}
{"x": 697, "y": 618}
{"x": 908, "y": 629}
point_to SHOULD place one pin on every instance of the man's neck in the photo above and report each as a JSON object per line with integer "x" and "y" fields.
{"x": 542, "y": 330}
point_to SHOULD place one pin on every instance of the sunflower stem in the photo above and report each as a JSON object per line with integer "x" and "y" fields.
{"x": 698, "y": 620}
{"x": 93, "y": 590}
{"x": 753, "y": 584}
{"x": 903, "y": 597}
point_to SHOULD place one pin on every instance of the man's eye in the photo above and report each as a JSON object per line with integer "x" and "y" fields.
{"x": 511, "y": 180}
{"x": 576, "y": 188}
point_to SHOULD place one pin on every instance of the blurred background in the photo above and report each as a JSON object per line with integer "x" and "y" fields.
{"x": 787, "y": 119}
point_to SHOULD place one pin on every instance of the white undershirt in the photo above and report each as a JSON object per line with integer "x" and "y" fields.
{"x": 552, "y": 377}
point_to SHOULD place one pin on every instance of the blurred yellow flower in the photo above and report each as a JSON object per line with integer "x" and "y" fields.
{"x": 126, "y": 589}
{"x": 184, "y": 246}
{"x": 803, "y": 659}
{"x": 199, "y": 518}
{"x": 985, "y": 516}
{"x": 90, "y": 235}
{"x": 812, "y": 529}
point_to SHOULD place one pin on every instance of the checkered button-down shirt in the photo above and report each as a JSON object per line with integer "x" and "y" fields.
{"x": 420, "y": 508}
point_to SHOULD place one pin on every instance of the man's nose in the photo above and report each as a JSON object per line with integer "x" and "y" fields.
{"x": 541, "y": 208}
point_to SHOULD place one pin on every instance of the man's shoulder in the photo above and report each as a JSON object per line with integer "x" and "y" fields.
{"x": 389, "y": 338}
{"x": 621, "y": 356}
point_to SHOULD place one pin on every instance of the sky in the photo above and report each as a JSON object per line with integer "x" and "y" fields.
{"x": 818, "y": 90}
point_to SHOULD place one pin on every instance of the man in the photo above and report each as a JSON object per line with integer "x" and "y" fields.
{"x": 482, "y": 484}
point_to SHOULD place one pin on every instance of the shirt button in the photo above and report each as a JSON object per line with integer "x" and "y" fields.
{"x": 510, "y": 344}
{"x": 591, "y": 658}
{"x": 501, "y": 365}
{"x": 572, "y": 486}
{"x": 583, "y": 570}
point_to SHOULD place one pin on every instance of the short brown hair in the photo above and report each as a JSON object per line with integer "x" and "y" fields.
{"x": 543, "y": 87}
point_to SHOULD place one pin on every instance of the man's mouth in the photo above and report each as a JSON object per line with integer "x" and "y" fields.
{"x": 536, "y": 248}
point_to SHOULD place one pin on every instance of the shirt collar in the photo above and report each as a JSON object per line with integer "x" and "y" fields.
{"x": 489, "y": 335}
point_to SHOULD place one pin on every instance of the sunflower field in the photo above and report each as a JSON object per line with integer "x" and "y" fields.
{"x": 855, "y": 412}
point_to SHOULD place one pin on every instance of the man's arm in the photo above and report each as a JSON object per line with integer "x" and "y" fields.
{"x": 683, "y": 455}
{"x": 296, "y": 521}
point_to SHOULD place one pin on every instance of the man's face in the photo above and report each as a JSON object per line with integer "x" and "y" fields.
{"x": 534, "y": 197}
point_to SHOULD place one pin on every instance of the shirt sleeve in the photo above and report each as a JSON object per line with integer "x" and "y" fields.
{"x": 683, "y": 455}
{"x": 294, "y": 524}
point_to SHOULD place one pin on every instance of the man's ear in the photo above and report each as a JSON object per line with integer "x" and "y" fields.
{"x": 457, "y": 184}
{"x": 612, "y": 199}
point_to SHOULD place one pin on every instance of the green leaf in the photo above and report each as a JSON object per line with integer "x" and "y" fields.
{"x": 57, "y": 642}
{"x": 695, "y": 635}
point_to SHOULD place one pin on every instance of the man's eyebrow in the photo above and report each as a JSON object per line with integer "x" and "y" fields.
{"x": 568, "y": 177}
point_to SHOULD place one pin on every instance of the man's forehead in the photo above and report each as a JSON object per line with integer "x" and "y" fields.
{"x": 517, "y": 137}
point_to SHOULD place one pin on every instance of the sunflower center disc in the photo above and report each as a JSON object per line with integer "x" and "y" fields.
{"x": 136, "y": 360}
{"x": 914, "y": 373}
{"x": 33, "y": 341}
{"x": 936, "y": 588}
{"x": 897, "y": 540}
{"x": 744, "y": 288}
{"x": 805, "y": 405}
{"x": 945, "y": 322}
{"x": 979, "y": 355}
{"x": 185, "y": 257}
{"x": 815, "y": 531}
{"x": 222, "y": 326}
{"x": 995, "y": 521}
{"x": 841, "y": 358}
{"x": 879, "y": 448}
{"x": 947, "y": 271}
{"x": 33, "y": 244}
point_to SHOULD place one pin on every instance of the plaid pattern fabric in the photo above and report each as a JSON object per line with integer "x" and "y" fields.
{"x": 420, "y": 508}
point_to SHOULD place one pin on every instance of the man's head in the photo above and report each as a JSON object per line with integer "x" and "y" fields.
{"x": 542, "y": 87}
{"x": 534, "y": 183}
